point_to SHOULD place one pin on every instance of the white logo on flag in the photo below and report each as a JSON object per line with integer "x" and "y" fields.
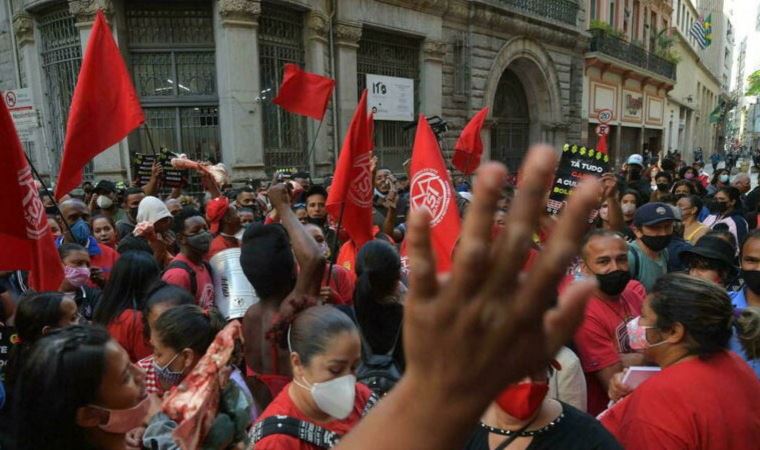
{"x": 34, "y": 211}
{"x": 429, "y": 191}
{"x": 360, "y": 191}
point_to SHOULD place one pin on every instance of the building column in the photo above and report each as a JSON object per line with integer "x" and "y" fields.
{"x": 320, "y": 162}
{"x": 347, "y": 37}
{"x": 114, "y": 162}
{"x": 239, "y": 86}
{"x": 431, "y": 85}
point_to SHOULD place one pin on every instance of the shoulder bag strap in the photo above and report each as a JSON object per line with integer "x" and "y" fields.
{"x": 304, "y": 431}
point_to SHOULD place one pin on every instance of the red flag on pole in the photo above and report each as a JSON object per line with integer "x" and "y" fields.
{"x": 304, "y": 93}
{"x": 351, "y": 192}
{"x": 431, "y": 189}
{"x": 469, "y": 146}
{"x": 104, "y": 107}
{"x": 25, "y": 237}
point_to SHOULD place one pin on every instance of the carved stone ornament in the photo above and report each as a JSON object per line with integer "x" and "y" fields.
{"x": 84, "y": 10}
{"x": 435, "y": 7}
{"x": 316, "y": 22}
{"x": 23, "y": 28}
{"x": 348, "y": 33}
{"x": 435, "y": 50}
{"x": 240, "y": 11}
{"x": 494, "y": 20}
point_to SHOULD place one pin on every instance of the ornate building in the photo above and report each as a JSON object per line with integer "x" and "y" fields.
{"x": 206, "y": 71}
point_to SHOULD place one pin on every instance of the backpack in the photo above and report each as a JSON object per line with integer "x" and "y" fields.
{"x": 378, "y": 372}
{"x": 175, "y": 264}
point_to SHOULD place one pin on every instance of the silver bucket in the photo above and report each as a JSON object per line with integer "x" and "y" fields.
{"x": 233, "y": 293}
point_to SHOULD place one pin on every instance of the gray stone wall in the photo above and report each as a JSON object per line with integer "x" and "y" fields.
{"x": 7, "y": 62}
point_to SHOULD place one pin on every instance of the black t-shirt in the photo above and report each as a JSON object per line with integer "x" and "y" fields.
{"x": 87, "y": 299}
{"x": 575, "y": 431}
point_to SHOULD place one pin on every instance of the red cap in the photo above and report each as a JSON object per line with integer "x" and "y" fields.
{"x": 215, "y": 211}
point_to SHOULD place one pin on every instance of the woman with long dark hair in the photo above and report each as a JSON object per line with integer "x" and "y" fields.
{"x": 120, "y": 309}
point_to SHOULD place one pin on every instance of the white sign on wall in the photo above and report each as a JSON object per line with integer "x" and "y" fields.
{"x": 390, "y": 98}
{"x": 23, "y": 112}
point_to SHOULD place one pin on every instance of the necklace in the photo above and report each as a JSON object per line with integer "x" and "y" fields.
{"x": 541, "y": 430}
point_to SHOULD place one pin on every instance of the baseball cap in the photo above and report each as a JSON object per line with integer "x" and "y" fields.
{"x": 636, "y": 159}
{"x": 105, "y": 187}
{"x": 653, "y": 213}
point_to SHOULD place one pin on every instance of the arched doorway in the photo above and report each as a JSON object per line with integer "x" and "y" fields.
{"x": 510, "y": 134}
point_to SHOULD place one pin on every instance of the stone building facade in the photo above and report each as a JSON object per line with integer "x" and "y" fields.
{"x": 207, "y": 70}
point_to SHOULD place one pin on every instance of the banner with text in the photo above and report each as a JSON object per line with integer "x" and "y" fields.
{"x": 390, "y": 98}
{"x": 171, "y": 177}
{"x": 577, "y": 162}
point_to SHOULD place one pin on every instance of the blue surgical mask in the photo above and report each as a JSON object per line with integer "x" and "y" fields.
{"x": 166, "y": 376}
{"x": 81, "y": 232}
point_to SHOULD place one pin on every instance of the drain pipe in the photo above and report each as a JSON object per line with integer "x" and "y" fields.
{"x": 331, "y": 53}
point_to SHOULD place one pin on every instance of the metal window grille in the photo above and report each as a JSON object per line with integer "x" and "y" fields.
{"x": 382, "y": 53}
{"x": 280, "y": 42}
{"x": 511, "y": 119}
{"x": 172, "y": 56}
{"x": 461, "y": 65}
{"x": 61, "y": 57}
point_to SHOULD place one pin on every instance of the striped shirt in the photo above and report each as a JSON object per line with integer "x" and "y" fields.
{"x": 151, "y": 380}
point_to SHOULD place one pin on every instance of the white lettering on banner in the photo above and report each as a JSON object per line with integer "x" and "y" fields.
{"x": 34, "y": 211}
{"x": 23, "y": 112}
{"x": 431, "y": 192}
{"x": 390, "y": 98}
{"x": 360, "y": 191}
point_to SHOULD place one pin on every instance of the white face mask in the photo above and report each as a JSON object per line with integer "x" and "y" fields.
{"x": 104, "y": 202}
{"x": 334, "y": 397}
{"x": 628, "y": 208}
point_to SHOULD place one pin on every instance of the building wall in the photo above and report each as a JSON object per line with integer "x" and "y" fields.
{"x": 8, "y": 71}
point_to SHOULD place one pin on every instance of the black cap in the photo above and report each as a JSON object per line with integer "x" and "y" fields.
{"x": 713, "y": 248}
{"x": 105, "y": 187}
{"x": 653, "y": 213}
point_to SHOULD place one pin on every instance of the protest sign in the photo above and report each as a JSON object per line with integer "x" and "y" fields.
{"x": 8, "y": 339}
{"x": 577, "y": 162}
{"x": 171, "y": 177}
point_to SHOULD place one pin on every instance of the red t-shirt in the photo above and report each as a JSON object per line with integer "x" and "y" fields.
{"x": 602, "y": 337}
{"x": 692, "y": 405}
{"x": 152, "y": 386}
{"x": 127, "y": 330}
{"x": 342, "y": 283}
{"x": 105, "y": 260}
{"x": 282, "y": 405}
{"x": 221, "y": 243}
{"x": 204, "y": 292}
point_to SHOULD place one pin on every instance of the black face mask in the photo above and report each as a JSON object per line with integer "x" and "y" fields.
{"x": 613, "y": 283}
{"x": 717, "y": 207}
{"x": 634, "y": 172}
{"x": 320, "y": 222}
{"x": 663, "y": 187}
{"x": 132, "y": 213}
{"x": 656, "y": 243}
{"x": 752, "y": 280}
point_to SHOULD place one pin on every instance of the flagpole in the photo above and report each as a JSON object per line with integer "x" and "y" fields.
{"x": 334, "y": 255}
{"x": 314, "y": 144}
{"x": 49, "y": 194}
{"x": 150, "y": 140}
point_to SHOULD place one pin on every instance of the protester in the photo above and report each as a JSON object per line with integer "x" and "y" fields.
{"x": 719, "y": 180}
{"x": 316, "y": 213}
{"x": 173, "y": 205}
{"x": 104, "y": 200}
{"x": 523, "y": 416}
{"x": 75, "y": 217}
{"x": 647, "y": 257}
{"x": 224, "y": 223}
{"x": 630, "y": 201}
{"x": 711, "y": 259}
{"x": 77, "y": 273}
{"x": 684, "y": 328}
{"x": 634, "y": 179}
{"x": 88, "y": 395}
{"x": 663, "y": 181}
{"x": 120, "y": 309}
{"x": 188, "y": 269}
{"x": 684, "y": 188}
{"x": 338, "y": 283}
{"x": 246, "y": 216}
{"x": 693, "y": 229}
{"x": 266, "y": 257}
{"x": 154, "y": 222}
{"x": 132, "y": 198}
{"x": 378, "y": 299}
{"x": 568, "y": 385}
{"x": 602, "y": 347}
{"x": 748, "y": 296}
{"x": 725, "y": 209}
{"x": 55, "y": 227}
{"x": 324, "y": 396}
{"x": 104, "y": 229}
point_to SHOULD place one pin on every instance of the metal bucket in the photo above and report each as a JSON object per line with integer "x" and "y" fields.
{"x": 233, "y": 293}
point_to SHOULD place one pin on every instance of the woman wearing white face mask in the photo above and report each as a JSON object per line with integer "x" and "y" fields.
{"x": 705, "y": 397}
{"x": 324, "y": 395}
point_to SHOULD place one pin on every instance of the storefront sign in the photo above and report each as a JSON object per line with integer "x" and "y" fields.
{"x": 577, "y": 162}
{"x": 602, "y": 130}
{"x": 23, "y": 112}
{"x": 390, "y": 98}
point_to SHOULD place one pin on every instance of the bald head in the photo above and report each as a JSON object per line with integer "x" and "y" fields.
{"x": 74, "y": 209}
{"x": 742, "y": 182}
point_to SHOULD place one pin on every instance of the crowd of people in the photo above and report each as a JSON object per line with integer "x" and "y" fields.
{"x": 640, "y": 330}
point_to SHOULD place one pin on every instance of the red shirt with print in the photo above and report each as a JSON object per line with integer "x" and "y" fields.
{"x": 204, "y": 292}
{"x": 283, "y": 405}
{"x": 602, "y": 337}
{"x": 696, "y": 404}
{"x": 127, "y": 330}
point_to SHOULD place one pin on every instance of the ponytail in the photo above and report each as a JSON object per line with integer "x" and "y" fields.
{"x": 189, "y": 326}
{"x": 748, "y": 330}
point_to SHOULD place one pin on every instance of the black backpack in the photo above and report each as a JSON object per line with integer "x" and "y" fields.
{"x": 378, "y": 372}
{"x": 175, "y": 264}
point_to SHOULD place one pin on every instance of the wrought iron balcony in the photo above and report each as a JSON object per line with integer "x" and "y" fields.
{"x": 565, "y": 11}
{"x": 632, "y": 54}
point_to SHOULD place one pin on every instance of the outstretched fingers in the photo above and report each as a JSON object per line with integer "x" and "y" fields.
{"x": 561, "y": 321}
{"x": 423, "y": 284}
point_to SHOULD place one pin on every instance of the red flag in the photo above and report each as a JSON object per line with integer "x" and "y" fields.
{"x": 469, "y": 147}
{"x": 601, "y": 144}
{"x": 104, "y": 107}
{"x": 431, "y": 189}
{"x": 25, "y": 237}
{"x": 304, "y": 93}
{"x": 351, "y": 192}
